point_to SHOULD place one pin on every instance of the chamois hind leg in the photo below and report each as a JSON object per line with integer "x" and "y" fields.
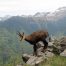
{"x": 45, "y": 45}
{"x": 35, "y": 49}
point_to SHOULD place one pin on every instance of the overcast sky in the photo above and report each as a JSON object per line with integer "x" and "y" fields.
{"x": 28, "y": 7}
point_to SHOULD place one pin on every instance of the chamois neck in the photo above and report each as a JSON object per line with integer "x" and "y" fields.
{"x": 27, "y": 38}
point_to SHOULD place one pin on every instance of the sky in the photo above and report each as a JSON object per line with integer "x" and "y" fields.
{"x": 29, "y": 7}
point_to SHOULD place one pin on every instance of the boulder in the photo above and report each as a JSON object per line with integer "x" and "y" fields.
{"x": 36, "y": 60}
{"x": 63, "y": 53}
{"x": 63, "y": 43}
{"x": 49, "y": 54}
{"x": 33, "y": 60}
{"x": 50, "y": 44}
{"x": 40, "y": 44}
{"x": 59, "y": 45}
{"x": 25, "y": 57}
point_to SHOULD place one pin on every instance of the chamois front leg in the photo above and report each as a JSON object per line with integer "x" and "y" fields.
{"x": 45, "y": 45}
{"x": 35, "y": 50}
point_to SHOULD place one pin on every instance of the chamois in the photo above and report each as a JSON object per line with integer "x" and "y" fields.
{"x": 34, "y": 38}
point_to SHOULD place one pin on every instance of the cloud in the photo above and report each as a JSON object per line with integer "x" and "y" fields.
{"x": 18, "y": 7}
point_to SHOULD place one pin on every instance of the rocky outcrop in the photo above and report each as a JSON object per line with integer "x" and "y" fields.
{"x": 54, "y": 47}
{"x": 59, "y": 45}
{"x": 63, "y": 43}
{"x": 36, "y": 60}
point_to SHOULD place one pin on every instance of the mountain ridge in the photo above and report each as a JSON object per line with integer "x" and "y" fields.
{"x": 57, "y": 14}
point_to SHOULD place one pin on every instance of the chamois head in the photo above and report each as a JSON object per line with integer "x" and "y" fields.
{"x": 21, "y": 35}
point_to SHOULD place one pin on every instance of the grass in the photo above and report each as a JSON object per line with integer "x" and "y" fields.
{"x": 55, "y": 61}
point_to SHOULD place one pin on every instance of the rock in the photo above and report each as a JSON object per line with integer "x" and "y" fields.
{"x": 50, "y": 49}
{"x": 63, "y": 43}
{"x": 40, "y": 44}
{"x": 25, "y": 57}
{"x": 63, "y": 53}
{"x": 50, "y": 44}
{"x": 32, "y": 59}
{"x": 35, "y": 60}
{"x": 49, "y": 54}
{"x": 59, "y": 45}
{"x": 39, "y": 51}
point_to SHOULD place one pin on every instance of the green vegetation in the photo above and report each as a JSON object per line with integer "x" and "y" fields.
{"x": 11, "y": 48}
{"x": 55, "y": 61}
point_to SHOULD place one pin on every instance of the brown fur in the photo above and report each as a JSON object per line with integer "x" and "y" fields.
{"x": 36, "y": 37}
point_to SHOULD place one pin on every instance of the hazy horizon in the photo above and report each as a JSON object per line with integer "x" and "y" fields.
{"x": 29, "y": 7}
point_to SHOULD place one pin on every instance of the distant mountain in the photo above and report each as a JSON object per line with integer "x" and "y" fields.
{"x": 50, "y": 16}
{"x": 54, "y": 22}
{"x": 4, "y": 18}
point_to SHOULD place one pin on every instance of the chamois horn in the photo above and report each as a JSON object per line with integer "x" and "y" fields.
{"x": 20, "y": 35}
